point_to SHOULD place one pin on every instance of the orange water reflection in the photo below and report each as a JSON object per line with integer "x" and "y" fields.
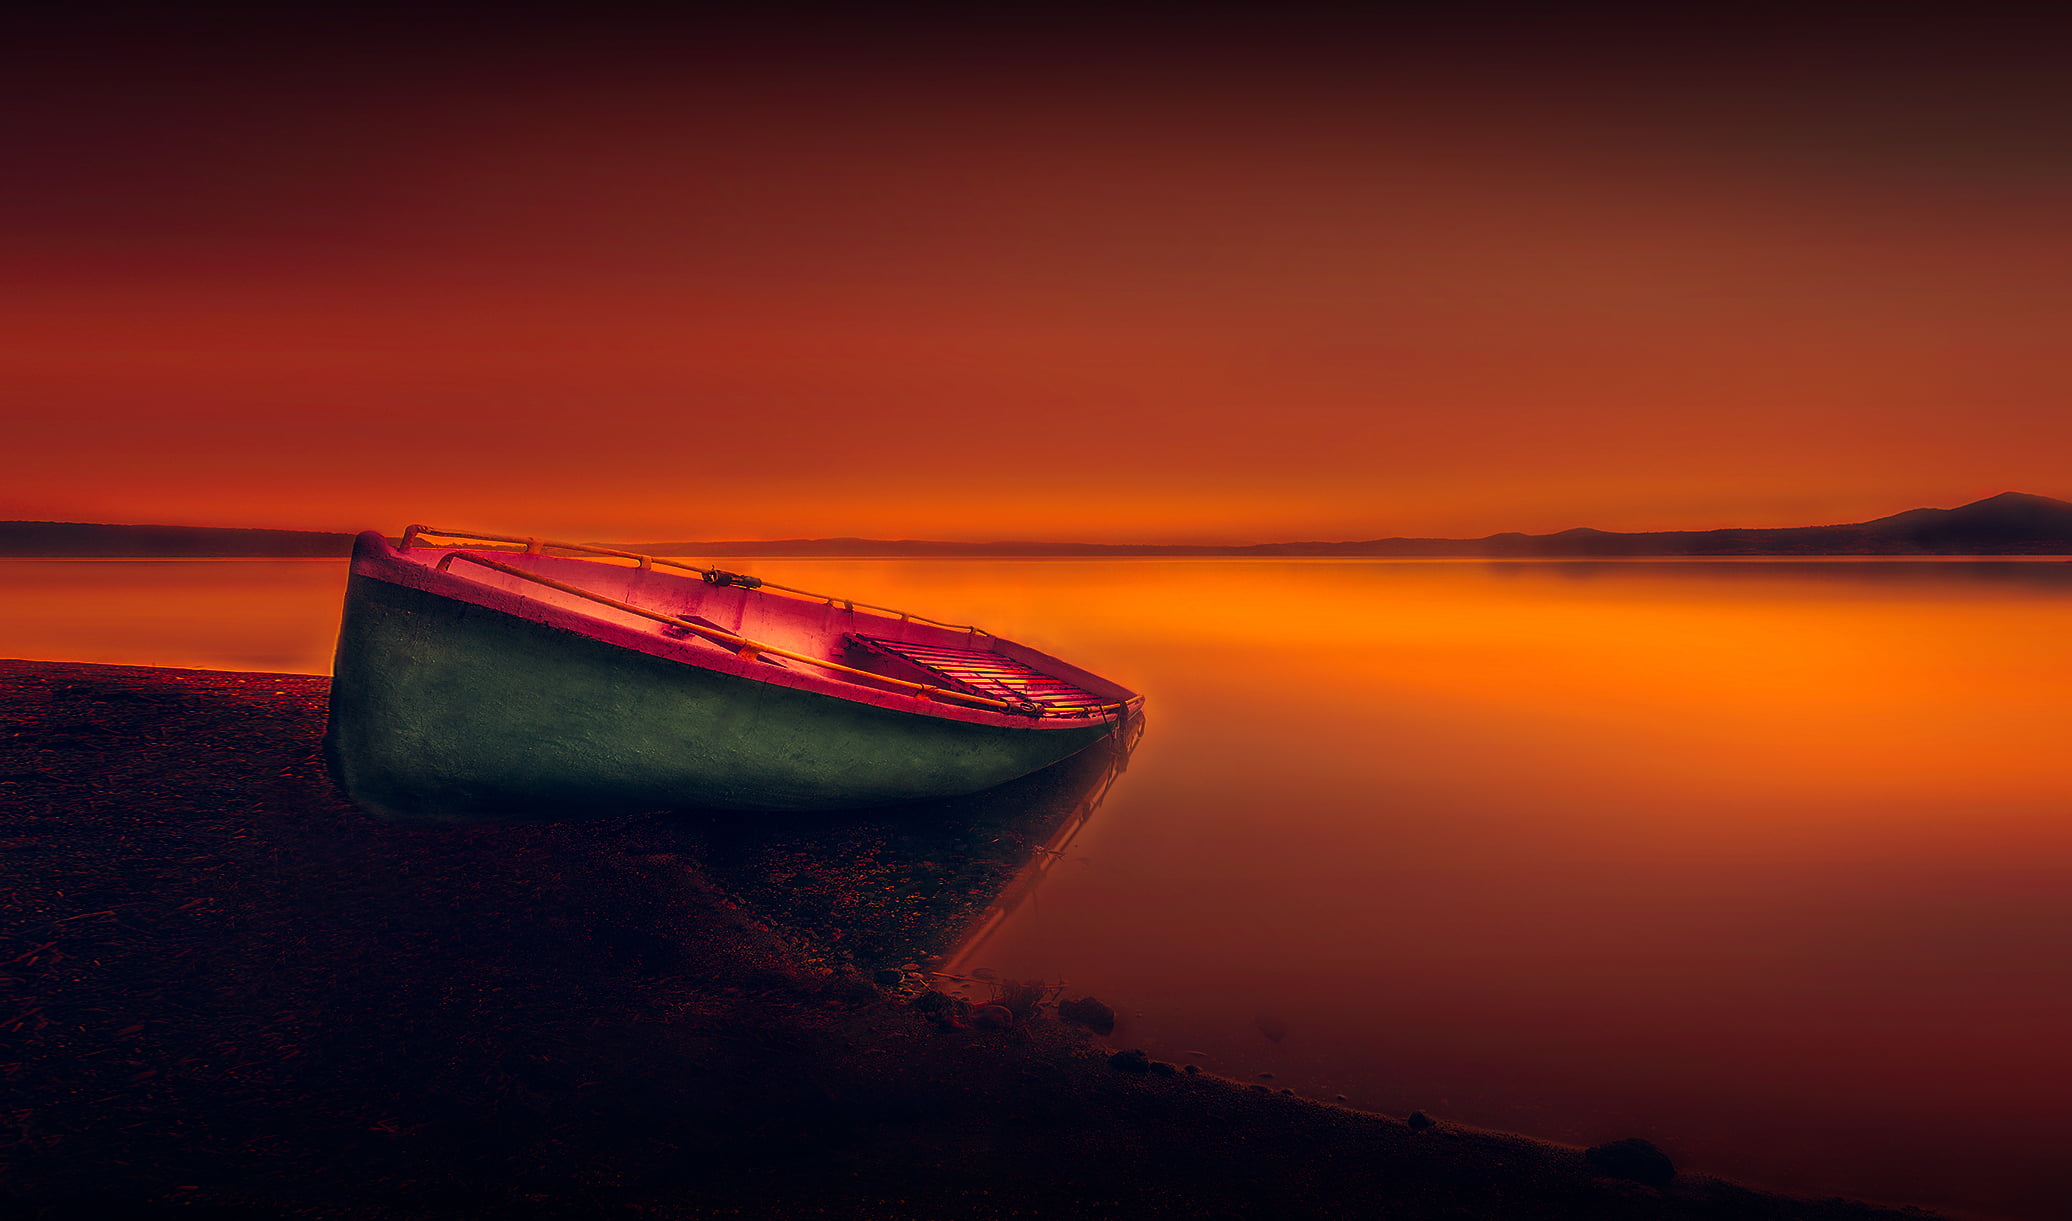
{"x": 271, "y": 615}
{"x": 1765, "y": 862}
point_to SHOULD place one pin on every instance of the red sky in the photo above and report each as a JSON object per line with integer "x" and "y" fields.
{"x": 1203, "y": 281}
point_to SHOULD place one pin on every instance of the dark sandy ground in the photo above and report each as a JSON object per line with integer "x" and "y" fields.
{"x": 224, "y": 992}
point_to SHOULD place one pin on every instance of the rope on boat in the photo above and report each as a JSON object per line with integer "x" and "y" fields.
{"x": 715, "y": 576}
{"x": 742, "y": 646}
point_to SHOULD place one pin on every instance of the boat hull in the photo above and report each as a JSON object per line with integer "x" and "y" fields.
{"x": 442, "y": 709}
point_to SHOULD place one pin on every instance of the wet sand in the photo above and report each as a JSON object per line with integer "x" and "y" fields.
{"x": 225, "y": 992}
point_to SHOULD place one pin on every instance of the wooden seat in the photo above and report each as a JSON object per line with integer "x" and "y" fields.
{"x": 973, "y": 672}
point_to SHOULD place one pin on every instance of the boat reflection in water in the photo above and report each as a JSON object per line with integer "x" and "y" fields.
{"x": 902, "y": 886}
{"x": 1042, "y": 859}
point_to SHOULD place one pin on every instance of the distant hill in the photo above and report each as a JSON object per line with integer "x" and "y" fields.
{"x": 2012, "y": 523}
{"x": 66, "y": 539}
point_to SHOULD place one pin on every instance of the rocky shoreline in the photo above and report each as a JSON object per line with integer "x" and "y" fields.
{"x": 226, "y": 992}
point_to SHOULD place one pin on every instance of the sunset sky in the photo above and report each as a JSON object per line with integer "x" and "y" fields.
{"x": 1052, "y": 277}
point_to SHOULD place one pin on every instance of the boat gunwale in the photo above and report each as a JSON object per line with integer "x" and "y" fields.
{"x": 420, "y": 568}
{"x": 532, "y": 545}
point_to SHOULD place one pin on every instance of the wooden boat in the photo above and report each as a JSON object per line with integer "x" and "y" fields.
{"x": 476, "y": 680}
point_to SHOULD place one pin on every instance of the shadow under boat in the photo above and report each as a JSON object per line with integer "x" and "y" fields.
{"x": 900, "y": 885}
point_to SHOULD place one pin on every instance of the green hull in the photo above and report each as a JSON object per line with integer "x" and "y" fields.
{"x": 442, "y": 710}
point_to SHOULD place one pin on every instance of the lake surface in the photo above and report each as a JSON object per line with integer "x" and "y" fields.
{"x": 1769, "y": 862}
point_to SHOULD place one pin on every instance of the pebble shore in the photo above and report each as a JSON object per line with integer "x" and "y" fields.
{"x": 225, "y": 992}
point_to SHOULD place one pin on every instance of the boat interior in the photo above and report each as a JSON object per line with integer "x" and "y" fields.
{"x": 703, "y": 610}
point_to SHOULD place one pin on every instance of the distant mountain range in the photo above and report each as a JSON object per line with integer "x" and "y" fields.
{"x": 2012, "y": 523}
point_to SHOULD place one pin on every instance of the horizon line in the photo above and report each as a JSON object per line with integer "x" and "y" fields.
{"x": 1048, "y": 546}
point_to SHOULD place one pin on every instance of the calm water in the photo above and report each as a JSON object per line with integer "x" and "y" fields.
{"x": 1768, "y": 862}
